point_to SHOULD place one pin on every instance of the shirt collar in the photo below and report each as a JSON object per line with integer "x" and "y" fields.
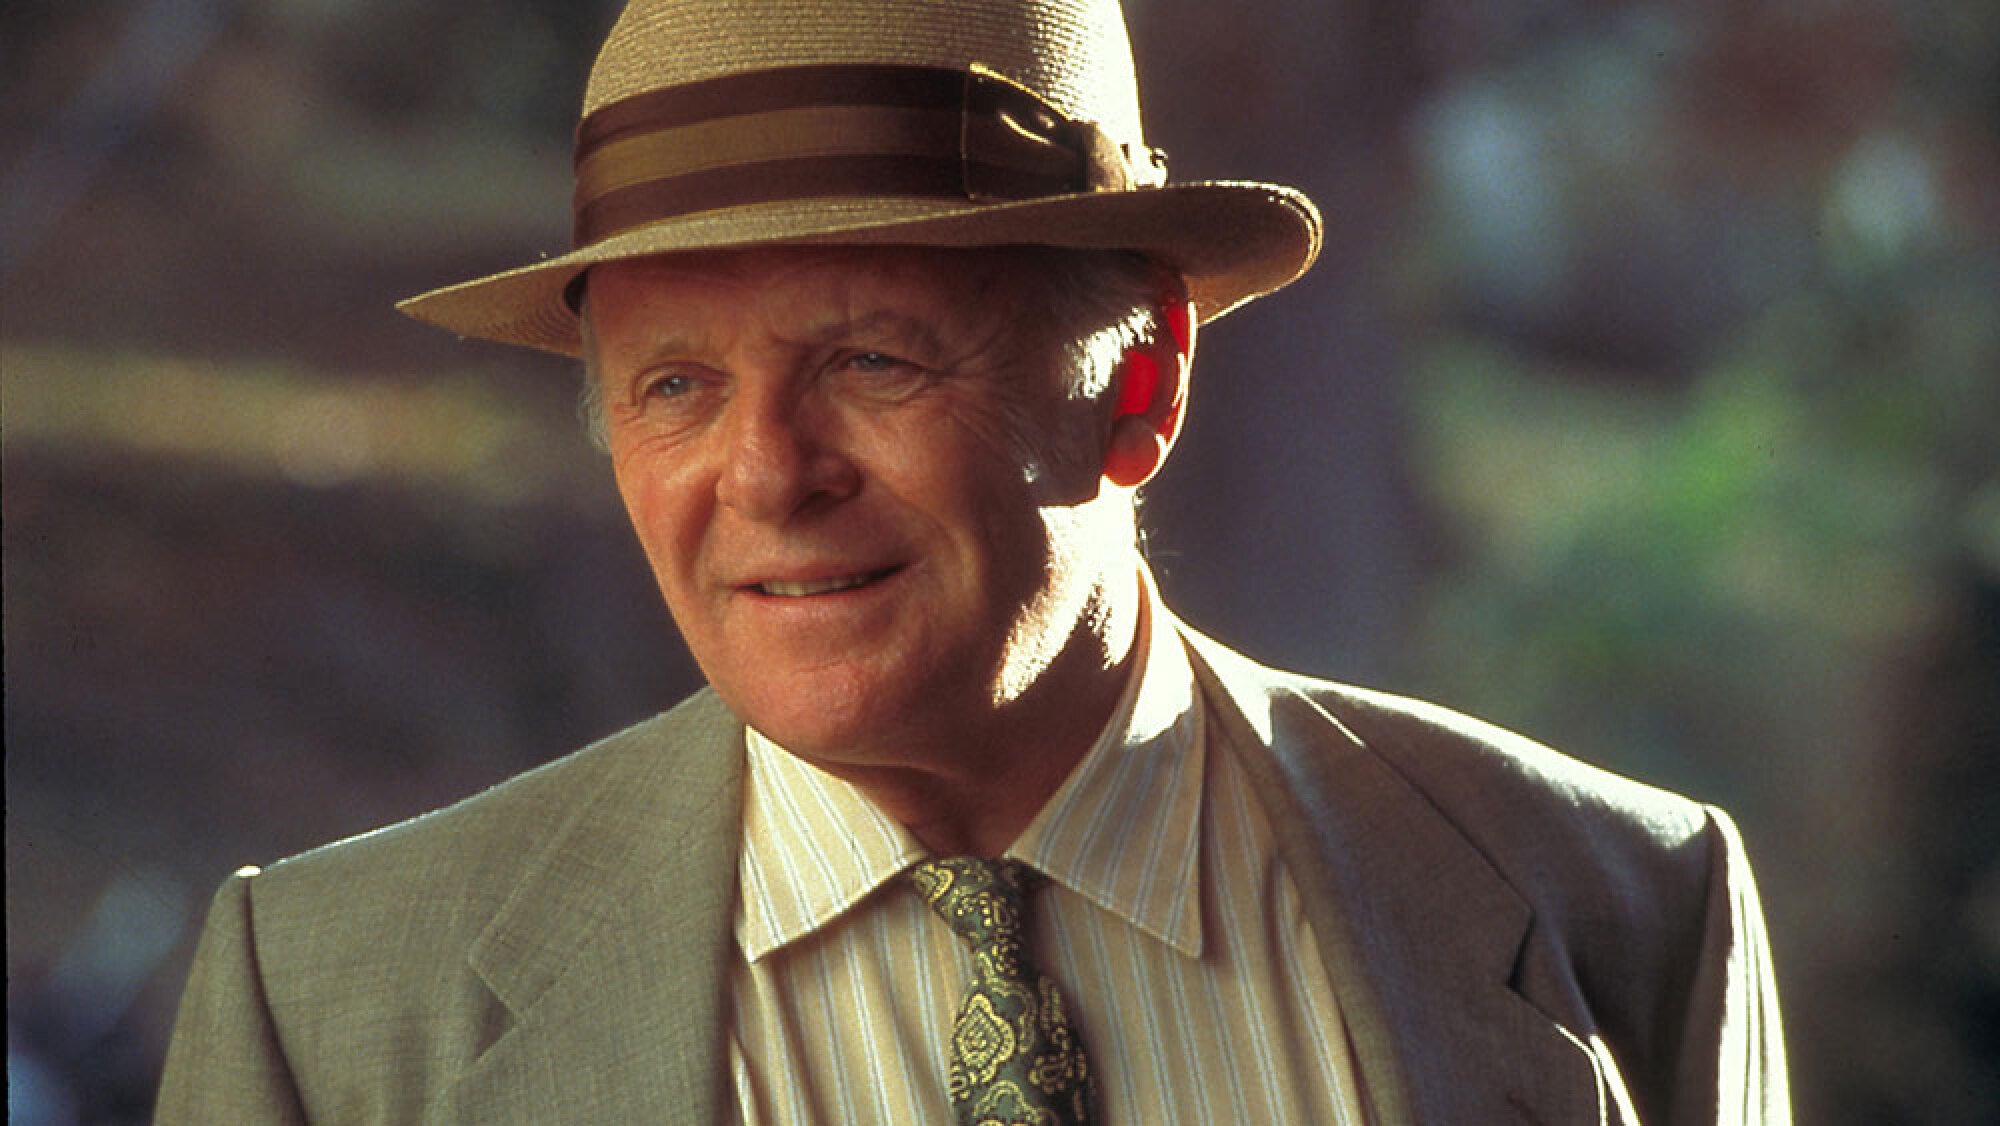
{"x": 813, "y": 847}
{"x": 1123, "y": 830}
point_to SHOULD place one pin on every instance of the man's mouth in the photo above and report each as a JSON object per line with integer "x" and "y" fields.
{"x": 781, "y": 588}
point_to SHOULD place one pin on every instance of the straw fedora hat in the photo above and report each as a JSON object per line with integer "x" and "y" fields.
{"x": 711, "y": 124}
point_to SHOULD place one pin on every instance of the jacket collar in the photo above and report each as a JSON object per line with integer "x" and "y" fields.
{"x": 610, "y": 954}
{"x": 1419, "y": 933}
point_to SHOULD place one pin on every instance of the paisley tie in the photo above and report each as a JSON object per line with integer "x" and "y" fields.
{"x": 1015, "y": 1060}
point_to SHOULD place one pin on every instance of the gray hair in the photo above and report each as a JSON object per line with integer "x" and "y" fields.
{"x": 590, "y": 397}
{"x": 1095, "y": 303}
{"x": 1098, "y": 304}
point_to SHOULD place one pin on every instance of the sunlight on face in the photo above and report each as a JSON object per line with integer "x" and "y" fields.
{"x": 872, "y": 506}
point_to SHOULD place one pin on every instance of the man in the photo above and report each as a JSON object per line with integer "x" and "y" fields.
{"x": 887, "y": 312}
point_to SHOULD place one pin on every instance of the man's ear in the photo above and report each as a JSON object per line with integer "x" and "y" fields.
{"x": 1151, "y": 385}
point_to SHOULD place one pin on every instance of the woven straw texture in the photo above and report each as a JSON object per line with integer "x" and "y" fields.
{"x": 1071, "y": 52}
{"x": 1233, "y": 241}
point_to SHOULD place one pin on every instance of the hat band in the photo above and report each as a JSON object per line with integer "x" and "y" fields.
{"x": 835, "y": 131}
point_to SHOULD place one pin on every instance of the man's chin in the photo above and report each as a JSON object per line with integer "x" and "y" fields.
{"x": 822, "y": 716}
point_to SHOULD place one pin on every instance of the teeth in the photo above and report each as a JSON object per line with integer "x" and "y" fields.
{"x": 819, "y": 586}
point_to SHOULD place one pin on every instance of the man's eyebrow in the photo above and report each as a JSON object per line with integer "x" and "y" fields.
{"x": 664, "y": 343}
{"x": 888, "y": 322}
{"x": 667, "y": 342}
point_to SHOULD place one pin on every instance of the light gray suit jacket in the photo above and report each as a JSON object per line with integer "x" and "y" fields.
{"x": 1513, "y": 936}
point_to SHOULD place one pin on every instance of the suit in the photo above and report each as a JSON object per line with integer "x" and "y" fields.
{"x": 1512, "y": 936}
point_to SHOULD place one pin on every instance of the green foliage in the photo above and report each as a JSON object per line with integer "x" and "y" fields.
{"x": 1630, "y": 560}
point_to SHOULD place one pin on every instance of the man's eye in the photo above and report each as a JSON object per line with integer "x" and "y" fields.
{"x": 883, "y": 375}
{"x": 875, "y": 362}
{"x": 669, "y": 386}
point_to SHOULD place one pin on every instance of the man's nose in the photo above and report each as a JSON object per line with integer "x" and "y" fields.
{"x": 781, "y": 457}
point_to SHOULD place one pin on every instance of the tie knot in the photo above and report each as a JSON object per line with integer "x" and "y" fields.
{"x": 981, "y": 899}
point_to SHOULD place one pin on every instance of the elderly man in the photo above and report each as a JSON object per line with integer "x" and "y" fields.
{"x": 887, "y": 311}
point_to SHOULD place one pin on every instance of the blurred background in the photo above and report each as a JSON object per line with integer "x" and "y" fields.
{"x": 1646, "y": 400}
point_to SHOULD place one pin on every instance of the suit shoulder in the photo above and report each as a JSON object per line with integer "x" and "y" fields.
{"x": 473, "y": 848}
{"x": 371, "y": 948}
{"x": 1475, "y": 773}
{"x": 1585, "y": 846}
{"x": 1467, "y": 759}
{"x": 1480, "y": 770}
{"x": 1620, "y": 875}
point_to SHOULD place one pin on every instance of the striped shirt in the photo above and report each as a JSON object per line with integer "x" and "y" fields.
{"x": 1177, "y": 938}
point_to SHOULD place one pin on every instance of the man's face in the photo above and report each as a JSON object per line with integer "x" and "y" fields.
{"x": 830, "y": 457}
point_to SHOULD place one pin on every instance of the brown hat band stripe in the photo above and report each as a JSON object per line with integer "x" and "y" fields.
{"x": 763, "y": 91}
{"x": 757, "y": 138}
{"x": 806, "y": 133}
{"x": 803, "y": 178}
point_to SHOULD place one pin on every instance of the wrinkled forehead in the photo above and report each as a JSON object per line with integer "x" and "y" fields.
{"x": 956, "y": 294}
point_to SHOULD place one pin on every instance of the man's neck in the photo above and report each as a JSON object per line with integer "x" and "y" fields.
{"x": 998, "y": 774}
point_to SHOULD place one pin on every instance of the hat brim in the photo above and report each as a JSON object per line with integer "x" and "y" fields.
{"x": 1232, "y": 241}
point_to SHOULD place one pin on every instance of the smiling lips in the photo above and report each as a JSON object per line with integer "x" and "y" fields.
{"x": 784, "y": 588}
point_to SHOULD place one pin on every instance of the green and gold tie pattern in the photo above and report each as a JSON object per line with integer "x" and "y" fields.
{"x": 1015, "y": 1060}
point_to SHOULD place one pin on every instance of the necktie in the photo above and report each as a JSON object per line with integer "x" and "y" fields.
{"x": 1015, "y": 1060}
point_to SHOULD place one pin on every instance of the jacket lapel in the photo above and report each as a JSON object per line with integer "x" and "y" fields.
{"x": 1420, "y": 935}
{"x": 610, "y": 956}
